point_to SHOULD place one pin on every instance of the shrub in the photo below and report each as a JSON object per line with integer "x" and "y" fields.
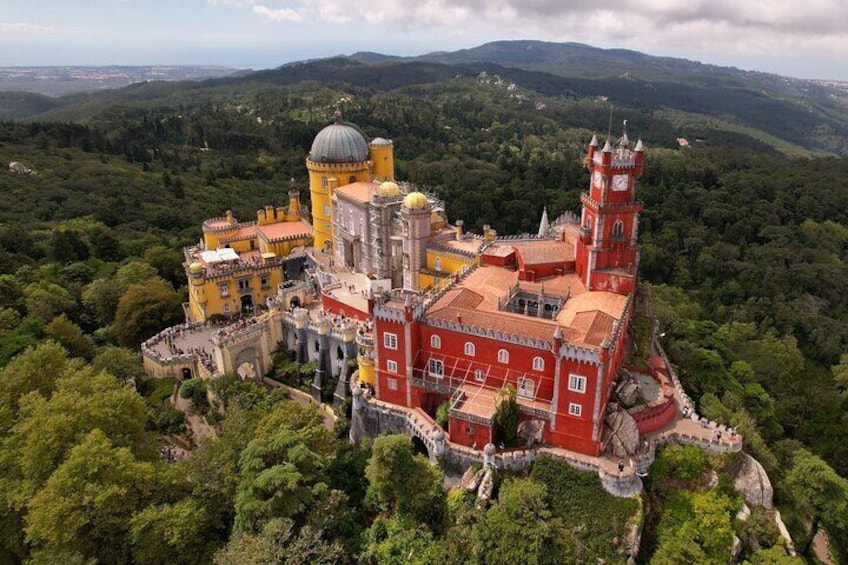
{"x": 443, "y": 414}
{"x": 194, "y": 390}
{"x": 170, "y": 420}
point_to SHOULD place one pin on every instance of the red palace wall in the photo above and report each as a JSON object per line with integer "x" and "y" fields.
{"x": 338, "y": 308}
{"x": 469, "y": 433}
{"x": 486, "y": 358}
{"x": 384, "y": 354}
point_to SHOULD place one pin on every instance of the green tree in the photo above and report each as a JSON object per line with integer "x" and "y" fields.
{"x": 34, "y": 370}
{"x": 145, "y": 309}
{"x": 70, "y": 336}
{"x": 283, "y": 466}
{"x": 506, "y": 414}
{"x": 101, "y": 298}
{"x": 123, "y": 364}
{"x": 520, "y": 528}
{"x": 84, "y": 505}
{"x": 168, "y": 263}
{"x": 278, "y": 543}
{"x": 822, "y": 494}
{"x": 399, "y": 540}
{"x": 46, "y": 300}
{"x": 171, "y": 533}
{"x": 404, "y": 483}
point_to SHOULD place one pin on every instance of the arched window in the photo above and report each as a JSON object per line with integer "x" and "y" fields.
{"x": 538, "y": 364}
{"x": 503, "y": 356}
{"x": 435, "y": 342}
{"x": 618, "y": 229}
{"x": 469, "y": 349}
{"x": 438, "y": 264}
{"x": 526, "y": 387}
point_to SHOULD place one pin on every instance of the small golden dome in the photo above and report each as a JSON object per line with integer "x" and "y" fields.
{"x": 388, "y": 189}
{"x": 415, "y": 201}
{"x": 195, "y": 268}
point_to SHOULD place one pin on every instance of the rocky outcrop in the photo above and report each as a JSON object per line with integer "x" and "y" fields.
{"x": 19, "y": 169}
{"x": 621, "y": 436}
{"x": 531, "y": 431}
{"x": 628, "y": 392}
{"x": 752, "y": 482}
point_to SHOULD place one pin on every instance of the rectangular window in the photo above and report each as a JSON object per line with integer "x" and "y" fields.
{"x": 264, "y": 282}
{"x": 389, "y": 340}
{"x": 575, "y": 409}
{"x": 392, "y": 384}
{"x": 225, "y": 290}
{"x": 479, "y": 375}
{"x": 577, "y": 383}
{"x": 391, "y": 366}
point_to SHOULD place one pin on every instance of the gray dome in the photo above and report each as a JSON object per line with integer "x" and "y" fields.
{"x": 339, "y": 143}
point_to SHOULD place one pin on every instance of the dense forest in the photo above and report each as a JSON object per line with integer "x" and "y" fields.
{"x": 744, "y": 259}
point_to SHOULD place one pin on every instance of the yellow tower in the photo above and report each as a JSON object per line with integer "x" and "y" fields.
{"x": 382, "y": 158}
{"x": 339, "y": 156}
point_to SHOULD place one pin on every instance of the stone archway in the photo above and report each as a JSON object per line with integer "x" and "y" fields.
{"x": 247, "y": 362}
{"x": 418, "y": 446}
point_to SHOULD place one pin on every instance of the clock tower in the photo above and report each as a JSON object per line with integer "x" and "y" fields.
{"x": 607, "y": 251}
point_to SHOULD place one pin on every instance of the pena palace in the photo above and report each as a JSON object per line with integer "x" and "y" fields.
{"x": 372, "y": 274}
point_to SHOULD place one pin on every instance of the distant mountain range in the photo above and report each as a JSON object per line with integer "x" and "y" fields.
{"x": 791, "y": 115}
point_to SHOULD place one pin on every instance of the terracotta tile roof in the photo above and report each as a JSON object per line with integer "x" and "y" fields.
{"x": 600, "y": 328}
{"x": 544, "y": 252}
{"x": 360, "y": 191}
{"x": 285, "y": 230}
{"x": 247, "y": 232}
{"x": 499, "y": 250}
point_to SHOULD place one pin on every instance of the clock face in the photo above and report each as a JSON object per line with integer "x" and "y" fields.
{"x": 620, "y": 182}
{"x": 599, "y": 179}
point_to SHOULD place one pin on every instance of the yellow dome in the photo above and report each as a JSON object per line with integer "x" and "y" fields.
{"x": 195, "y": 268}
{"x": 415, "y": 201}
{"x": 388, "y": 189}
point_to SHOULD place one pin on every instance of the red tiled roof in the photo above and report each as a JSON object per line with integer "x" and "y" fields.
{"x": 544, "y": 252}
{"x": 285, "y": 230}
{"x": 360, "y": 191}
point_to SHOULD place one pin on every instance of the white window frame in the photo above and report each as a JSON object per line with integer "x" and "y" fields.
{"x": 503, "y": 356}
{"x": 436, "y": 368}
{"x": 575, "y": 409}
{"x": 479, "y": 376}
{"x": 391, "y": 366}
{"x": 577, "y": 383}
{"x": 538, "y": 364}
{"x": 526, "y": 387}
{"x": 393, "y": 384}
{"x": 435, "y": 341}
{"x": 390, "y": 340}
{"x": 439, "y": 264}
{"x": 470, "y": 350}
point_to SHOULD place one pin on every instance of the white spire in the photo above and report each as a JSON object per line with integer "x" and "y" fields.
{"x": 594, "y": 142}
{"x": 639, "y": 145}
{"x": 607, "y": 147}
{"x": 544, "y": 225}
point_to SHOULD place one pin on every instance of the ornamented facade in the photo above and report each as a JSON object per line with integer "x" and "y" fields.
{"x": 440, "y": 315}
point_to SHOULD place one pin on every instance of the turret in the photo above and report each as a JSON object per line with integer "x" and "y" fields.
{"x": 593, "y": 146}
{"x": 458, "y": 227}
{"x": 639, "y": 153}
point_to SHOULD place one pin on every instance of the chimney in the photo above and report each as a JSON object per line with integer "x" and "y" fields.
{"x": 294, "y": 202}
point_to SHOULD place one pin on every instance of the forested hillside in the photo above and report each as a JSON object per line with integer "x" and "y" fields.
{"x": 744, "y": 257}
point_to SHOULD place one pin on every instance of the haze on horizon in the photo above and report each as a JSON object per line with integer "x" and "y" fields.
{"x": 804, "y": 39}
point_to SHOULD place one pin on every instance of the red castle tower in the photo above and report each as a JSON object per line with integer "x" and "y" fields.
{"x": 607, "y": 251}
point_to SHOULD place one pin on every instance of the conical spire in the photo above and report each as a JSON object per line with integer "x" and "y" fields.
{"x": 639, "y": 145}
{"x": 594, "y": 142}
{"x": 544, "y": 225}
{"x": 607, "y": 147}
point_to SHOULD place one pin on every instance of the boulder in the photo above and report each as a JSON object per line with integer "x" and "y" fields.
{"x": 621, "y": 436}
{"x": 752, "y": 482}
{"x": 531, "y": 431}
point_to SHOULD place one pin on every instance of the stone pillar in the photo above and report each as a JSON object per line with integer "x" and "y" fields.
{"x": 357, "y": 417}
{"x": 300, "y": 353}
{"x": 438, "y": 437}
{"x": 322, "y": 367}
{"x": 489, "y": 456}
{"x": 349, "y": 353}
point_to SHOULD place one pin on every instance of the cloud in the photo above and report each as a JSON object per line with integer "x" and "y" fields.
{"x": 277, "y": 14}
{"x": 23, "y": 28}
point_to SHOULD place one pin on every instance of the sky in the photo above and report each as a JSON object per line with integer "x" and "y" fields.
{"x": 800, "y": 38}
